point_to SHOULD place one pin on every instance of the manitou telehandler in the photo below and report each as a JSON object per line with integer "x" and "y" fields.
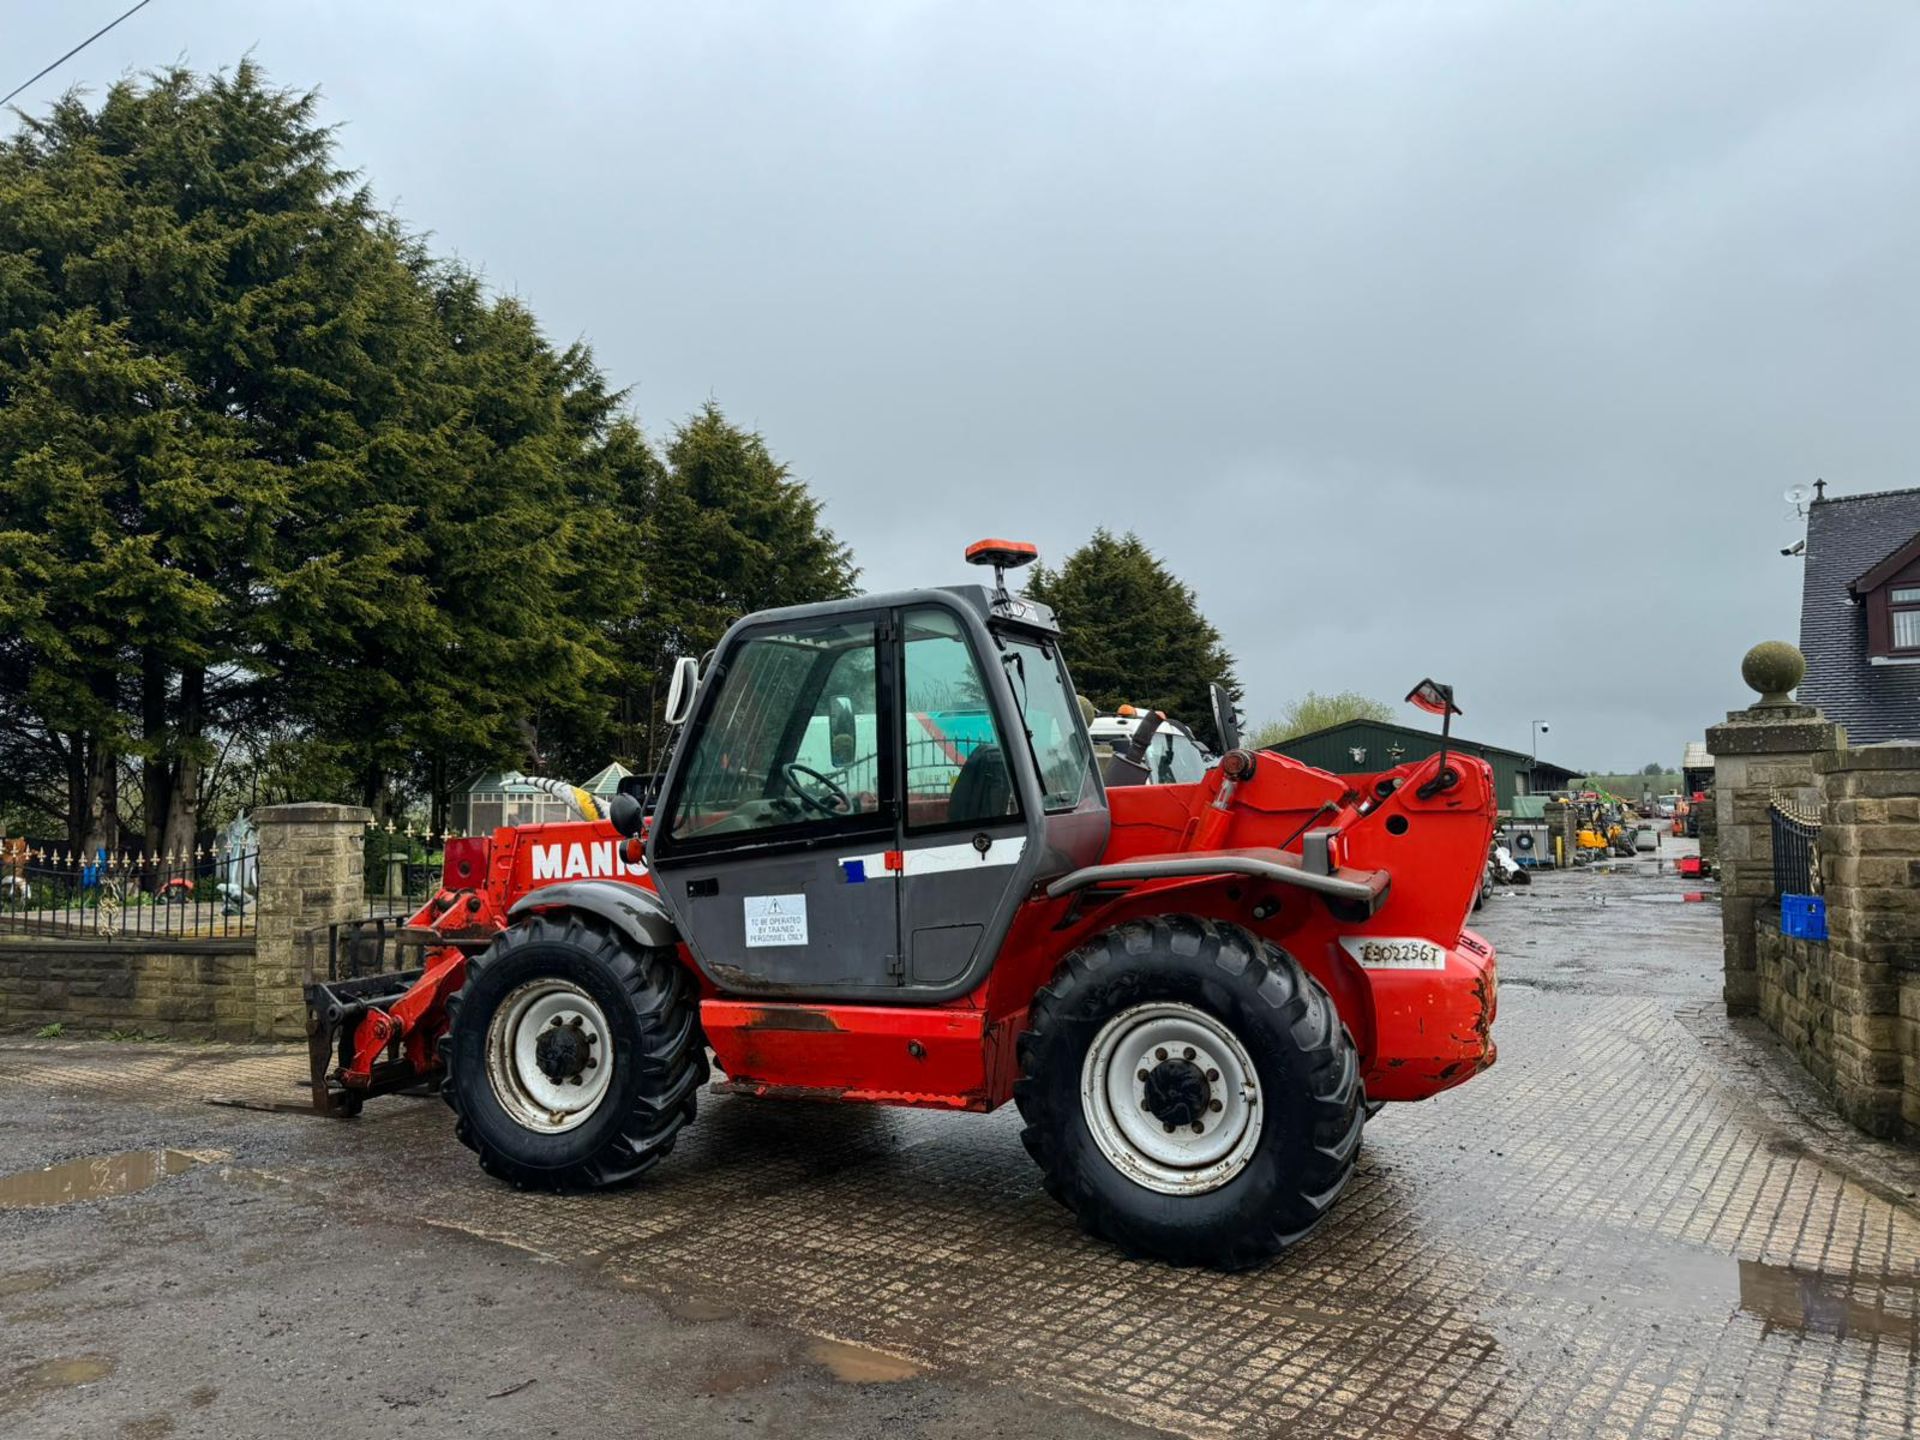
{"x": 882, "y": 868}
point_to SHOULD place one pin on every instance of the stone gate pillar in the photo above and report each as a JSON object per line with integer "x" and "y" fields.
{"x": 1870, "y": 856}
{"x": 311, "y": 857}
{"x": 1764, "y": 750}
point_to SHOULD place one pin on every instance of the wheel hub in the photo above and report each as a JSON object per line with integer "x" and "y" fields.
{"x": 1177, "y": 1092}
{"x": 562, "y": 1052}
{"x": 548, "y": 1059}
{"x": 1171, "y": 1097}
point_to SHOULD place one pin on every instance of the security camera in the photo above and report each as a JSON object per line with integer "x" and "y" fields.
{"x": 1544, "y": 727}
{"x": 1799, "y": 547}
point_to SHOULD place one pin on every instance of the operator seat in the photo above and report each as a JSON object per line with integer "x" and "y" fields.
{"x": 984, "y": 789}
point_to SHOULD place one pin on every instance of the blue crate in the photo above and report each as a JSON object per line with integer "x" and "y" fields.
{"x": 1804, "y": 917}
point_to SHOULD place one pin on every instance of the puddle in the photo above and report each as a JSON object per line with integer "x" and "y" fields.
{"x": 95, "y": 1177}
{"x": 750, "y": 1375}
{"x": 859, "y": 1365}
{"x": 1836, "y": 1305}
{"x": 44, "y": 1377}
{"x": 1703, "y": 1288}
{"x": 695, "y": 1311}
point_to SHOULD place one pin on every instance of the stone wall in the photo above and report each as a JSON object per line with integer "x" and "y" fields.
{"x": 310, "y": 876}
{"x": 1760, "y": 752}
{"x": 189, "y": 990}
{"x": 1848, "y": 1006}
{"x": 1870, "y": 862}
{"x": 1795, "y": 989}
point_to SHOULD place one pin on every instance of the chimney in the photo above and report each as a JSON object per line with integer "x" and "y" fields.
{"x": 1819, "y": 491}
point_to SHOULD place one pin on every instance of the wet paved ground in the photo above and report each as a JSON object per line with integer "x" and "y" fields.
{"x": 1639, "y": 1223}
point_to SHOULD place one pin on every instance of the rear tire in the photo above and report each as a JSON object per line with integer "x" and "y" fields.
{"x": 1195, "y": 1000}
{"x": 573, "y": 1056}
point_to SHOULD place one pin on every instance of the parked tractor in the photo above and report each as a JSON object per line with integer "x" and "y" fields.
{"x": 884, "y": 869}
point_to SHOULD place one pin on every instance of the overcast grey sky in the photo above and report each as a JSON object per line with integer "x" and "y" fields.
{"x": 1473, "y": 339}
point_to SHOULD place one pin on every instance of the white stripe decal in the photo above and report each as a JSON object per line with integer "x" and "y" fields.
{"x": 937, "y": 859}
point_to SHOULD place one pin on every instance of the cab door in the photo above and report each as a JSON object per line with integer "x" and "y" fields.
{"x": 999, "y": 792}
{"x": 785, "y": 791}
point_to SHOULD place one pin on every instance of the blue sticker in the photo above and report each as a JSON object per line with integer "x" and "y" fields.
{"x": 855, "y": 871}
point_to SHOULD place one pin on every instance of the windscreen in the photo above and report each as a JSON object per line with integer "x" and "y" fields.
{"x": 790, "y": 741}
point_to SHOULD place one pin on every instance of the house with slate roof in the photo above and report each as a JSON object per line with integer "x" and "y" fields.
{"x": 1860, "y": 613}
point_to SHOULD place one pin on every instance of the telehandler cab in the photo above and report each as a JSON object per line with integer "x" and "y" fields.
{"x": 883, "y": 868}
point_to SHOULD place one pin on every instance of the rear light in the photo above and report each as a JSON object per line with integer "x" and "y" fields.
{"x": 1237, "y": 765}
{"x": 466, "y": 863}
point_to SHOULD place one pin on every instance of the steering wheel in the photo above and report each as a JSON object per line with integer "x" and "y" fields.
{"x": 837, "y": 801}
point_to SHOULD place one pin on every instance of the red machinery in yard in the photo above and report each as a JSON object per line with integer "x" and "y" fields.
{"x": 883, "y": 868}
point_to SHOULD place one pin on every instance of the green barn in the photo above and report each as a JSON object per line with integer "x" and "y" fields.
{"x": 1366, "y": 747}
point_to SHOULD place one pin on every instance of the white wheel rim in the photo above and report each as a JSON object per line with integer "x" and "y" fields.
{"x": 531, "y": 1096}
{"x": 1115, "y": 1098}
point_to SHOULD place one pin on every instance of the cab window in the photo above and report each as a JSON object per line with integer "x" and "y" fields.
{"x": 1176, "y": 760}
{"x": 956, "y": 760}
{"x": 791, "y": 740}
{"x": 1061, "y": 751}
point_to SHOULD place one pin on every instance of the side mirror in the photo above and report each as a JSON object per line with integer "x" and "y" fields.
{"x": 627, "y": 814}
{"x": 680, "y": 690}
{"x": 1226, "y": 718}
{"x": 1436, "y": 699}
{"x": 843, "y": 737}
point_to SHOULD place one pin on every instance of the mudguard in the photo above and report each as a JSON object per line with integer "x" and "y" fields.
{"x": 637, "y": 913}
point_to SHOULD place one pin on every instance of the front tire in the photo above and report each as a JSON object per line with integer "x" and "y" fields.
{"x": 1190, "y": 1093}
{"x": 572, "y": 1055}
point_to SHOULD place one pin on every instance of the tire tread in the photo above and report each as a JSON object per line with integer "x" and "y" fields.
{"x": 1333, "y": 1104}
{"x": 671, "y": 1059}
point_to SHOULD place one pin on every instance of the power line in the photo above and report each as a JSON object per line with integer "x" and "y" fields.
{"x": 73, "y": 52}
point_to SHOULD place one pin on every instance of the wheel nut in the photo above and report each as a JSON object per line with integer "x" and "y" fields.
{"x": 578, "y": 1023}
{"x": 1169, "y": 1125}
{"x": 1213, "y": 1105}
{"x": 1142, "y": 1077}
{"x": 594, "y": 1064}
{"x": 1161, "y": 1053}
{"x": 1188, "y": 1052}
{"x": 593, "y": 1039}
{"x": 558, "y": 1021}
{"x": 1213, "y": 1074}
{"x": 1198, "y": 1128}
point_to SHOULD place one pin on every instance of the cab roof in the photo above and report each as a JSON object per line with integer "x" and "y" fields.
{"x": 1016, "y": 610}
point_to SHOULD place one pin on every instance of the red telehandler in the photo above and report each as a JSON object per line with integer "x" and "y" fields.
{"x": 883, "y": 868}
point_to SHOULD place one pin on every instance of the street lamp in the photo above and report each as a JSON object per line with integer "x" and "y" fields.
{"x": 1540, "y": 727}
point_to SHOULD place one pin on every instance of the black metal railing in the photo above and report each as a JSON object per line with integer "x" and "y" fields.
{"x": 1796, "y": 849}
{"x": 403, "y": 867}
{"x": 209, "y": 894}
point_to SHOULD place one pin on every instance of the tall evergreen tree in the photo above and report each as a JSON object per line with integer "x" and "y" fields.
{"x": 201, "y": 323}
{"x": 261, "y": 459}
{"x": 272, "y": 473}
{"x": 728, "y": 531}
{"x": 1133, "y": 631}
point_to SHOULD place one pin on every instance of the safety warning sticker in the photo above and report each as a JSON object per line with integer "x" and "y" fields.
{"x": 776, "y": 919}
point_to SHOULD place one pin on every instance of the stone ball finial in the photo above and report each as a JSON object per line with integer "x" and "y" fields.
{"x": 1774, "y": 668}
